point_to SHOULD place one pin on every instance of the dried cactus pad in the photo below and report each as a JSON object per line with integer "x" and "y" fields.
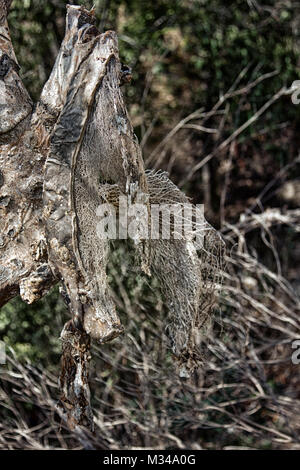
{"x": 189, "y": 270}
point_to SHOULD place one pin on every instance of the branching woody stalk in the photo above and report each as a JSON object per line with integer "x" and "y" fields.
{"x": 57, "y": 160}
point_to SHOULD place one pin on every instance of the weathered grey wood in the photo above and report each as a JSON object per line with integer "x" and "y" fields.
{"x": 15, "y": 103}
{"x": 22, "y": 241}
{"x": 74, "y": 404}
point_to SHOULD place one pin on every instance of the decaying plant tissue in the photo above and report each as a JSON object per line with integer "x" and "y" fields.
{"x": 59, "y": 161}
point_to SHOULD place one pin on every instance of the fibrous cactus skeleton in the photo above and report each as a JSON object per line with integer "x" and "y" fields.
{"x": 59, "y": 160}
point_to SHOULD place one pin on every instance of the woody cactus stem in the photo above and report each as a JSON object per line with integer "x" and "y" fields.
{"x": 23, "y": 253}
{"x": 75, "y": 398}
{"x": 50, "y": 163}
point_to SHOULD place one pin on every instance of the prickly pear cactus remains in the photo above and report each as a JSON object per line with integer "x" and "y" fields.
{"x": 59, "y": 161}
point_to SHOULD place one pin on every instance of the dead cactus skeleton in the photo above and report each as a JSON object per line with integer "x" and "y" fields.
{"x": 52, "y": 158}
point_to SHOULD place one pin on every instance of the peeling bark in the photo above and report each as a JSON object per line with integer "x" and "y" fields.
{"x": 22, "y": 241}
{"x": 75, "y": 398}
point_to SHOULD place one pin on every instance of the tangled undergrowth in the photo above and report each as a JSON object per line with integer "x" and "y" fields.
{"x": 246, "y": 394}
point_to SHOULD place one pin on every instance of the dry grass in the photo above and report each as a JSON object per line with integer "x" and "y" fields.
{"x": 246, "y": 394}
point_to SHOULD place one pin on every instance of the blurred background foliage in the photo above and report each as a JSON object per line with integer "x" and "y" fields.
{"x": 185, "y": 55}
